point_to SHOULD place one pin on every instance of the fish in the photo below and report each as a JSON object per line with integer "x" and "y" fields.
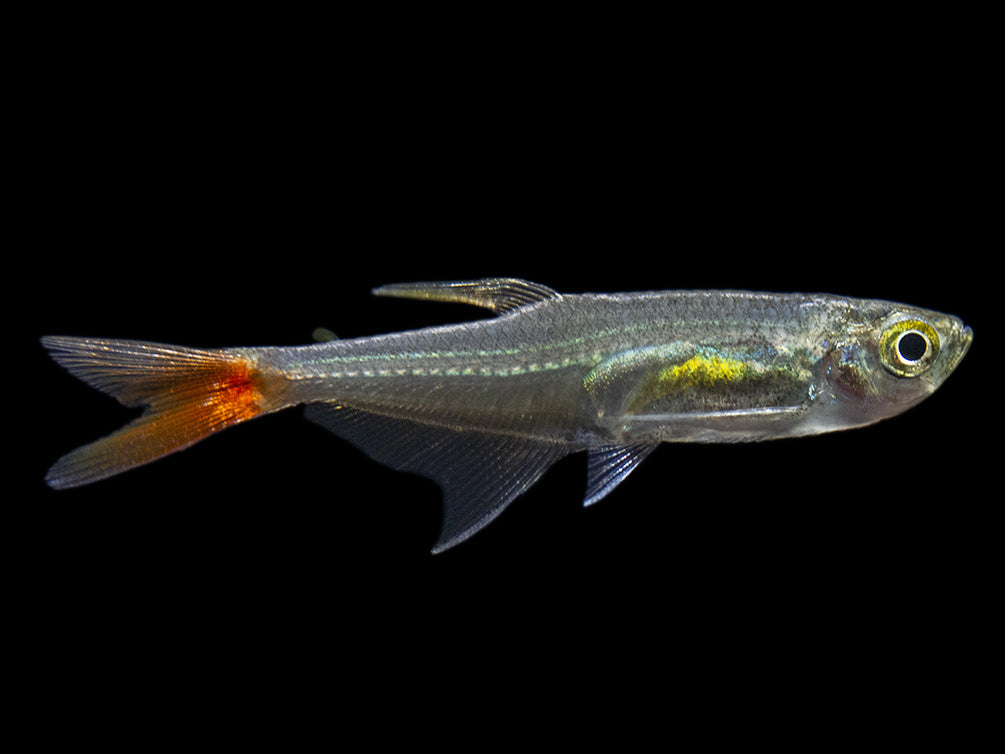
{"x": 486, "y": 407}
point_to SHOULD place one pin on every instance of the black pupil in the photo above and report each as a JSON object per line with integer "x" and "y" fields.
{"x": 912, "y": 346}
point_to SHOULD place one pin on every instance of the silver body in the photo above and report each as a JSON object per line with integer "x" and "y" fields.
{"x": 485, "y": 407}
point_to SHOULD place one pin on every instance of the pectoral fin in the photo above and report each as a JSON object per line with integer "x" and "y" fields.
{"x": 480, "y": 473}
{"x": 723, "y": 425}
{"x": 756, "y": 420}
{"x": 500, "y": 295}
{"x": 759, "y": 412}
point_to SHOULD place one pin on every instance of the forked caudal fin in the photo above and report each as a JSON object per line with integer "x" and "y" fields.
{"x": 188, "y": 393}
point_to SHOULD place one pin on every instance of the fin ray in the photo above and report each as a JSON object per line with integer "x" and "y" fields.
{"x": 188, "y": 394}
{"x": 500, "y": 295}
{"x": 608, "y": 465}
{"x": 723, "y": 415}
{"x": 480, "y": 473}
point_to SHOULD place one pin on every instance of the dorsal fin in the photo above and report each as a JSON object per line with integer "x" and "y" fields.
{"x": 500, "y": 295}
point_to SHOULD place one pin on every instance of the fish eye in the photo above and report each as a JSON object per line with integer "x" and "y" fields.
{"x": 912, "y": 346}
{"x": 909, "y": 347}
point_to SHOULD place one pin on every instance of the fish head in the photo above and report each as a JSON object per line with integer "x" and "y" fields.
{"x": 885, "y": 358}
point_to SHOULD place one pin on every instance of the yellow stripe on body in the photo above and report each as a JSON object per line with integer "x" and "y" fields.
{"x": 700, "y": 371}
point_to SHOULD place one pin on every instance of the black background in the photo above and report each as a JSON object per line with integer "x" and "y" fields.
{"x": 245, "y": 193}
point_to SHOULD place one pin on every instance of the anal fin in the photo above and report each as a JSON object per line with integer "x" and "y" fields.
{"x": 480, "y": 473}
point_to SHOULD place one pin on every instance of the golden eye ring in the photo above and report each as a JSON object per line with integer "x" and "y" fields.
{"x": 909, "y": 347}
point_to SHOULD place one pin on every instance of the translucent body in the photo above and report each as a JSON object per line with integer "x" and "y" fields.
{"x": 486, "y": 407}
{"x": 710, "y": 366}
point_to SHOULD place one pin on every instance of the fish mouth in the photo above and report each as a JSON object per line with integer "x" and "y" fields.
{"x": 965, "y": 338}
